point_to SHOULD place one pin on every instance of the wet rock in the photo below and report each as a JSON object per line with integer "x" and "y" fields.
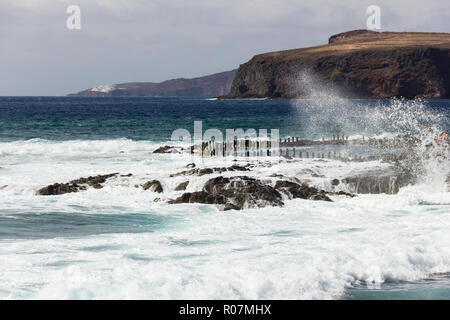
{"x": 244, "y": 192}
{"x": 199, "y": 197}
{"x": 303, "y": 191}
{"x": 335, "y": 182}
{"x": 162, "y": 149}
{"x": 182, "y": 186}
{"x": 229, "y": 206}
{"x": 319, "y": 196}
{"x": 202, "y": 172}
{"x": 166, "y": 149}
{"x": 234, "y": 193}
{"x": 237, "y": 193}
{"x": 153, "y": 185}
{"x": 93, "y": 181}
{"x": 205, "y": 171}
{"x": 342, "y": 193}
{"x": 126, "y": 175}
{"x": 59, "y": 188}
{"x": 204, "y": 197}
{"x": 75, "y": 185}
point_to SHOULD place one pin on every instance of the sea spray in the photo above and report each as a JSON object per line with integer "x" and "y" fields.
{"x": 326, "y": 113}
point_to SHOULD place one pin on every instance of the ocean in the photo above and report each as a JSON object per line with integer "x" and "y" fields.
{"x": 122, "y": 242}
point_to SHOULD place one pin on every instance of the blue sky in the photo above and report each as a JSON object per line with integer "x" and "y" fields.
{"x": 148, "y": 40}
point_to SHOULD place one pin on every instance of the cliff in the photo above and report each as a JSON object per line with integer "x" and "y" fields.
{"x": 208, "y": 86}
{"x": 356, "y": 64}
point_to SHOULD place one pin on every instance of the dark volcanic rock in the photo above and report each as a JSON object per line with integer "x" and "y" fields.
{"x": 59, "y": 188}
{"x": 335, "y": 182}
{"x": 126, "y": 175}
{"x": 357, "y": 64}
{"x": 302, "y": 191}
{"x": 200, "y": 197}
{"x": 235, "y": 193}
{"x": 153, "y": 185}
{"x": 320, "y": 197}
{"x": 342, "y": 193}
{"x": 182, "y": 186}
{"x": 166, "y": 149}
{"x": 93, "y": 181}
{"x": 75, "y": 185}
{"x": 208, "y": 86}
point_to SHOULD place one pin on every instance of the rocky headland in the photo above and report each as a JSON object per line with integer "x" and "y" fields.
{"x": 355, "y": 64}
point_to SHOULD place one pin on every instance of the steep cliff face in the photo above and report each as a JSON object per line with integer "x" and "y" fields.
{"x": 356, "y": 64}
{"x": 207, "y": 86}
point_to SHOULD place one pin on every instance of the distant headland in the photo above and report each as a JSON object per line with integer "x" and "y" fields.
{"x": 207, "y": 86}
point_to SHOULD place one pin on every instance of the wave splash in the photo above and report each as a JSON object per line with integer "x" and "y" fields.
{"x": 326, "y": 113}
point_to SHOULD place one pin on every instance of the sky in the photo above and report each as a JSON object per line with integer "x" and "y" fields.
{"x": 156, "y": 40}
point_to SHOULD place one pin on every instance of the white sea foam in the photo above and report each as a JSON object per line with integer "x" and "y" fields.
{"x": 306, "y": 250}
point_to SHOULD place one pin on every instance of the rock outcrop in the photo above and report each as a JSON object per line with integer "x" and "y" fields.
{"x": 356, "y": 64}
{"x": 153, "y": 186}
{"x": 302, "y": 191}
{"x": 75, "y": 185}
{"x": 235, "y": 193}
{"x": 182, "y": 186}
{"x": 167, "y": 149}
{"x": 241, "y": 192}
{"x": 207, "y": 86}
